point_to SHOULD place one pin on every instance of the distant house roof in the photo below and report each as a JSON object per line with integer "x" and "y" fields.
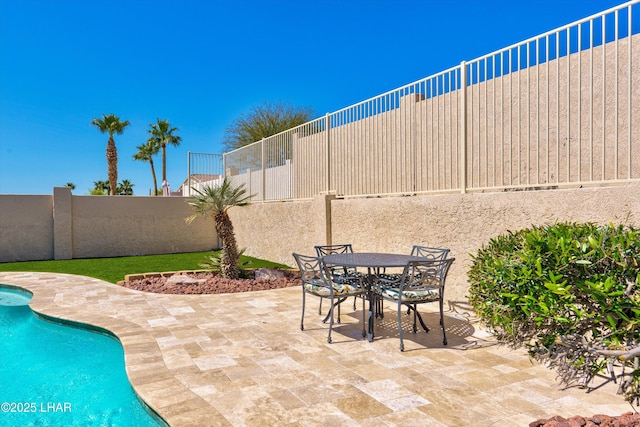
{"x": 199, "y": 178}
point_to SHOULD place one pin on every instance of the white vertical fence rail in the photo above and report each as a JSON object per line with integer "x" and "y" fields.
{"x": 558, "y": 109}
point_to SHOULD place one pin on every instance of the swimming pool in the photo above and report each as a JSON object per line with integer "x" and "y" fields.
{"x": 54, "y": 374}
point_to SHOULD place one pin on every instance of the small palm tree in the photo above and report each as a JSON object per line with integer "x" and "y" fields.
{"x": 70, "y": 185}
{"x": 99, "y": 187}
{"x": 125, "y": 188}
{"x": 145, "y": 153}
{"x": 112, "y": 125}
{"x": 215, "y": 202}
{"x": 162, "y": 134}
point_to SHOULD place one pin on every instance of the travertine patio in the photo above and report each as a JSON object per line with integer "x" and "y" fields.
{"x": 242, "y": 360}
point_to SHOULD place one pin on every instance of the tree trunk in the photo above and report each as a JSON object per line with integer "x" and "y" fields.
{"x": 153, "y": 174}
{"x": 164, "y": 162}
{"x": 229, "y": 257}
{"x": 112, "y": 163}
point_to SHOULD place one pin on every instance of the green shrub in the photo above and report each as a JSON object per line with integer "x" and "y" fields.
{"x": 568, "y": 292}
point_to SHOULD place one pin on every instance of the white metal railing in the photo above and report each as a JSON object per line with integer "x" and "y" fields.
{"x": 563, "y": 109}
{"x": 204, "y": 170}
{"x": 558, "y": 109}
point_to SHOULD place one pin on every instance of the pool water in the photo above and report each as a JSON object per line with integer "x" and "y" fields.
{"x": 53, "y": 374}
{"x": 13, "y": 297}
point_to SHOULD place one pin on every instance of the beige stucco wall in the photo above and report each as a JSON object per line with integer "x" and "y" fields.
{"x": 126, "y": 225}
{"x": 278, "y": 229}
{"x": 26, "y": 227}
{"x": 66, "y": 226}
{"x": 130, "y": 225}
{"x": 462, "y": 222}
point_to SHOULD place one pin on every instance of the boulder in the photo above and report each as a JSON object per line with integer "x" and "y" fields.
{"x": 268, "y": 274}
{"x": 182, "y": 279}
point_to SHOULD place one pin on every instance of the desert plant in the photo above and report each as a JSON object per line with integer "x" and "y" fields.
{"x": 213, "y": 263}
{"x": 215, "y": 202}
{"x": 568, "y": 292}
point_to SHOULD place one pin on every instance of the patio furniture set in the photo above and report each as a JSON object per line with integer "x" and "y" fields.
{"x": 337, "y": 273}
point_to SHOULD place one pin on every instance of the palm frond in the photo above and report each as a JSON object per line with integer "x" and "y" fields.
{"x": 214, "y": 200}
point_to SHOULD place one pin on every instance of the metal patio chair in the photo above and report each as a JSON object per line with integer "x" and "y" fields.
{"x": 317, "y": 280}
{"x": 420, "y": 282}
{"x": 429, "y": 252}
{"x": 340, "y": 274}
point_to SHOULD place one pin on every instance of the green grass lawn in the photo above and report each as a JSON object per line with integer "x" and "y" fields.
{"x": 114, "y": 269}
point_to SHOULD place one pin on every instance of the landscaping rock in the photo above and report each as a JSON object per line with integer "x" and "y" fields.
{"x": 209, "y": 283}
{"x": 183, "y": 279}
{"x": 268, "y": 274}
{"x": 628, "y": 419}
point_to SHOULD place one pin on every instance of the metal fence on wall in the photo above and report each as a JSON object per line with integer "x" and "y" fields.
{"x": 558, "y": 109}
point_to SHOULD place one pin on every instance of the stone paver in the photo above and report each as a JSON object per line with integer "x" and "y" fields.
{"x": 242, "y": 360}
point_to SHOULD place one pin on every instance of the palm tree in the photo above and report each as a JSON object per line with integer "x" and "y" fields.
{"x": 125, "y": 188}
{"x": 111, "y": 124}
{"x": 145, "y": 153}
{"x": 71, "y": 185}
{"x": 162, "y": 134}
{"x": 99, "y": 187}
{"x": 215, "y": 202}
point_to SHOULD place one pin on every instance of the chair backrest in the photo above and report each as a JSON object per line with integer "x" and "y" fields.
{"x": 334, "y": 249}
{"x": 311, "y": 267}
{"x": 423, "y": 274}
{"x": 428, "y": 252}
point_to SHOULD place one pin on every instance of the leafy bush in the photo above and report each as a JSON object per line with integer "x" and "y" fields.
{"x": 568, "y": 292}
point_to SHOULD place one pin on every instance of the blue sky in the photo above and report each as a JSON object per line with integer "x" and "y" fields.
{"x": 202, "y": 63}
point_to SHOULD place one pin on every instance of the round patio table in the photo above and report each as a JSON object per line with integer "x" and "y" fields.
{"x": 372, "y": 261}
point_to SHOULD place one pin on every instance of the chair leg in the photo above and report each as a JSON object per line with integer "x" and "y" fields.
{"x": 354, "y": 303}
{"x": 418, "y": 316}
{"x": 444, "y": 334}
{"x": 340, "y": 301}
{"x": 415, "y": 327}
{"x": 400, "y": 325}
{"x": 320, "y": 308}
{"x": 372, "y": 313}
{"x": 302, "y": 318}
{"x": 332, "y": 307}
{"x": 364, "y": 304}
